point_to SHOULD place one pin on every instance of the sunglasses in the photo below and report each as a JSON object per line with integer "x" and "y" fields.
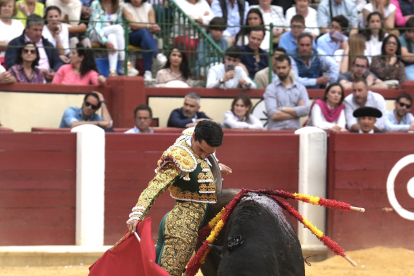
{"x": 408, "y": 106}
{"x": 29, "y": 51}
{"x": 91, "y": 105}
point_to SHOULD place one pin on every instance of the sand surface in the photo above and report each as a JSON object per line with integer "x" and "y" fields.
{"x": 378, "y": 261}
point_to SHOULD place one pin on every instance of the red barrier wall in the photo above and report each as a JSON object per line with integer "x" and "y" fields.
{"x": 37, "y": 188}
{"x": 258, "y": 161}
{"x": 359, "y": 166}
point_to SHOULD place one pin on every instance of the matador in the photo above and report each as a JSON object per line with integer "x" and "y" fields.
{"x": 192, "y": 174}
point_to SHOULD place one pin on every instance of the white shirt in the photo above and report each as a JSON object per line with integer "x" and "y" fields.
{"x": 373, "y": 47}
{"x": 311, "y": 21}
{"x": 2, "y": 70}
{"x": 217, "y": 72}
{"x": 136, "y": 130}
{"x": 9, "y": 32}
{"x": 63, "y": 35}
{"x": 370, "y": 132}
{"x": 374, "y": 100}
{"x": 197, "y": 10}
{"x": 392, "y": 124}
{"x": 317, "y": 119}
{"x": 232, "y": 121}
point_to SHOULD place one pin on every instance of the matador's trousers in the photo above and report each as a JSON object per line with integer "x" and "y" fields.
{"x": 177, "y": 236}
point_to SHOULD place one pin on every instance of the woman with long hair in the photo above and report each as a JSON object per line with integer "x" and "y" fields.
{"x": 355, "y": 47}
{"x": 10, "y": 28}
{"x": 25, "y": 70}
{"x": 176, "y": 70}
{"x": 329, "y": 113}
{"x": 374, "y": 34}
{"x": 56, "y": 32}
{"x": 240, "y": 114}
{"x": 388, "y": 66}
{"x": 254, "y": 18}
{"x": 385, "y": 8}
{"x": 81, "y": 70}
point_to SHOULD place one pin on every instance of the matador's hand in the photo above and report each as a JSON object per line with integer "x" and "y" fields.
{"x": 225, "y": 169}
{"x": 132, "y": 226}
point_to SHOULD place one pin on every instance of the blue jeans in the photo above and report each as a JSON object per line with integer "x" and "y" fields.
{"x": 143, "y": 38}
{"x": 409, "y": 71}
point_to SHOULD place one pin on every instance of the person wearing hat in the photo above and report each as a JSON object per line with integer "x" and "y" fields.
{"x": 366, "y": 117}
{"x": 361, "y": 97}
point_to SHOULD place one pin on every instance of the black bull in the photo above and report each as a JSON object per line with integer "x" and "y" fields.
{"x": 270, "y": 246}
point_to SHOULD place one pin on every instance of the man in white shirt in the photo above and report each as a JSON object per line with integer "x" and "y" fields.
{"x": 366, "y": 119}
{"x": 227, "y": 74}
{"x": 143, "y": 120}
{"x": 400, "y": 119}
{"x": 361, "y": 97}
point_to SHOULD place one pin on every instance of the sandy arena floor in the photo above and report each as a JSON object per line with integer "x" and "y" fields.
{"x": 378, "y": 261}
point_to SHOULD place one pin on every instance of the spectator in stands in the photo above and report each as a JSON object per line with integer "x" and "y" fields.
{"x": 49, "y": 61}
{"x": 77, "y": 34}
{"x": 407, "y": 48}
{"x": 262, "y": 77}
{"x": 328, "y": 9}
{"x": 86, "y": 115}
{"x": 386, "y": 10}
{"x": 288, "y": 39}
{"x": 312, "y": 67}
{"x": 228, "y": 74}
{"x": 360, "y": 69}
{"x": 335, "y": 38}
{"x": 361, "y": 97}
{"x": 309, "y": 14}
{"x": 200, "y": 12}
{"x": 188, "y": 115}
{"x": 354, "y": 47}
{"x": 5, "y": 77}
{"x": 404, "y": 11}
{"x": 366, "y": 119}
{"x": 286, "y": 100}
{"x": 70, "y": 10}
{"x": 216, "y": 28}
{"x": 10, "y": 28}
{"x": 360, "y": 4}
{"x": 176, "y": 71}
{"x": 56, "y": 32}
{"x": 272, "y": 14}
{"x": 25, "y": 68}
{"x": 254, "y": 18}
{"x": 105, "y": 27}
{"x": 143, "y": 120}
{"x": 141, "y": 33}
{"x": 400, "y": 119}
{"x": 28, "y": 7}
{"x": 329, "y": 113}
{"x": 81, "y": 70}
{"x": 240, "y": 116}
{"x": 374, "y": 35}
{"x": 285, "y": 4}
{"x": 388, "y": 66}
{"x": 254, "y": 58}
{"x": 235, "y": 12}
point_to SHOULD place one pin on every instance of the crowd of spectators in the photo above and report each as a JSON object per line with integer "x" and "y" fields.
{"x": 342, "y": 44}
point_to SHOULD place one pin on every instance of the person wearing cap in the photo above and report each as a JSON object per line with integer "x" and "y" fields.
{"x": 361, "y": 97}
{"x": 400, "y": 119}
{"x": 367, "y": 116}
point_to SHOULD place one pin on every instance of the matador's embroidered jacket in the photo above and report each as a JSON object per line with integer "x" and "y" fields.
{"x": 184, "y": 174}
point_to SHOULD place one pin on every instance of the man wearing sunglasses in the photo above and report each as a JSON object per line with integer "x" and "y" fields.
{"x": 400, "y": 119}
{"x": 86, "y": 115}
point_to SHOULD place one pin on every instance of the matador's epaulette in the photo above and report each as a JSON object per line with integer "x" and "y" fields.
{"x": 180, "y": 157}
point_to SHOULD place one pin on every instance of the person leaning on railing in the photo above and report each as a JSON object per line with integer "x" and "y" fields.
{"x": 10, "y": 28}
{"x": 240, "y": 116}
{"x": 175, "y": 72}
{"x": 142, "y": 27}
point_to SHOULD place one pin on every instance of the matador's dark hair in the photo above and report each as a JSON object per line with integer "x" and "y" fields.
{"x": 210, "y": 132}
